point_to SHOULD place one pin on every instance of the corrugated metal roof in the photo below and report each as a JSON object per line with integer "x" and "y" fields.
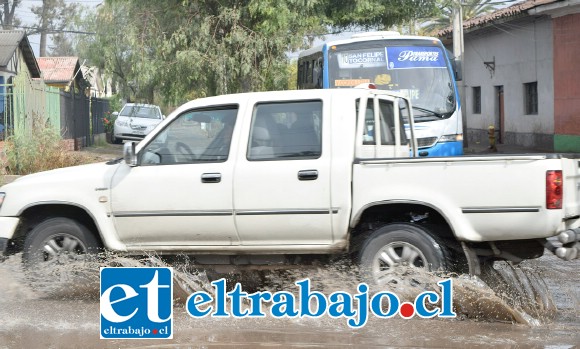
{"x": 58, "y": 69}
{"x": 511, "y": 11}
{"x": 10, "y": 40}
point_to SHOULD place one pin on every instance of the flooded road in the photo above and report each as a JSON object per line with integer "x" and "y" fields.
{"x": 29, "y": 318}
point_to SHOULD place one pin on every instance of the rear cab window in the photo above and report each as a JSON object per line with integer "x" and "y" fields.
{"x": 286, "y": 131}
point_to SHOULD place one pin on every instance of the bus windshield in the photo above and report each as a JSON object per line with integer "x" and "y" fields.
{"x": 417, "y": 70}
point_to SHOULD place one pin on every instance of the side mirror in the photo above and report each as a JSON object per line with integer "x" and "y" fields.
{"x": 115, "y": 113}
{"x": 129, "y": 153}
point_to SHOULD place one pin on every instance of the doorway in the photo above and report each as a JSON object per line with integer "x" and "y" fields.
{"x": 499, "y": 118}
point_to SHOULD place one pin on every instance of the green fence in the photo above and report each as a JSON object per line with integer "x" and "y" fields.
{"x": 28, "y": 101}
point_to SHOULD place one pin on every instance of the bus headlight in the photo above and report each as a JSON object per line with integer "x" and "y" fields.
{"x": 451, "y": 138}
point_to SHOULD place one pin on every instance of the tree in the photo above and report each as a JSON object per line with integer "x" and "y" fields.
{"x": 471, "y": 9}
{"x": 53, "y": 16}
{"x": 183, "y": 49}
{"x": 8, "y": 19}
{"x": 78, "y": 28}
{"x": 377, "y": 14}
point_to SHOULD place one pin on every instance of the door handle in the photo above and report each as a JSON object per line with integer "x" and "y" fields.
{"x": 307, "y": 175}
{"x": 211, "y": 177}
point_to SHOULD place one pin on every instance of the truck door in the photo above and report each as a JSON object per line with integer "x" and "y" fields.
{"x": 180, "y": 193}
{"x": 282, "y": 177}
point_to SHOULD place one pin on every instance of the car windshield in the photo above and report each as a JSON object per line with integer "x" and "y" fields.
{"x": 140, "y": 111}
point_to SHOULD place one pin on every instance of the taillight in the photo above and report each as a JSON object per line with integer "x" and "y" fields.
{"x": 554, "y": 190}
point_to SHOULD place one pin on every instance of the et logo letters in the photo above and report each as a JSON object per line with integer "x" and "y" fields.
{"x": 136, "y": 303}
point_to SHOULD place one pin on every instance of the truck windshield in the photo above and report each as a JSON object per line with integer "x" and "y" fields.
{"x": 417, "y": 70}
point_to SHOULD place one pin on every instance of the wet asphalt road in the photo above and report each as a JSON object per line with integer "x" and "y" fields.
{"x": 31, "y": 319}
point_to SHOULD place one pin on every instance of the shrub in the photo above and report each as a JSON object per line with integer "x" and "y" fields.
{"x": 41, "y": 151}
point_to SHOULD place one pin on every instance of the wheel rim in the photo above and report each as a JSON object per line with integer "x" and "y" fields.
{"x": 396, "y": 256}
{"x": 62, "y": 245}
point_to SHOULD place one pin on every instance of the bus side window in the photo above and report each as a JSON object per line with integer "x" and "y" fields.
{"x": 318, "y": 75}
{"x": 300, "y": 78}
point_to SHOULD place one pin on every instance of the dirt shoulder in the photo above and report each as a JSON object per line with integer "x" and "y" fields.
{"x": 104, "y": 152}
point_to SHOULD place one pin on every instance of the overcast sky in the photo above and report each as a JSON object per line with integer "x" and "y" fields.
{"x": 28, "y": 18}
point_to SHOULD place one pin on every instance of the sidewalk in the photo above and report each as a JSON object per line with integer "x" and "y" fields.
{"x": 483, "y": 148}
{"x": 105, "y": 151}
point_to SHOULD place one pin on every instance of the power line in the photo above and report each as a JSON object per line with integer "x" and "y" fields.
{"x": 55, "y": 31}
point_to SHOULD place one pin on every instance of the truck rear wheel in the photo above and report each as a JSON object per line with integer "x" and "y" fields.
{"x": 395, "y": 247}
{"x": 58, "y": 240}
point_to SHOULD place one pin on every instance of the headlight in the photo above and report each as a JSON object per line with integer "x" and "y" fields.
{"x": 451, "y": 138}
{"x": 2, "y": 196}
{"x": 121, "y": 122}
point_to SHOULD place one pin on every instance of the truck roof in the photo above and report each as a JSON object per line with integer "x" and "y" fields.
{"x": 275, "y": 95}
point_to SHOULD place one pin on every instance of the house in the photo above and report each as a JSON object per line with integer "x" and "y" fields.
{"x": 16, "y": 56}
{"x": 20, "y": 81}
{"x": 101, "y": 86}
{"x": 521, "y": 74}
{"x": 63, "y": 73}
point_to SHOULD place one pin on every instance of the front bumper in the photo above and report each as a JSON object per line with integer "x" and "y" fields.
{"x": 8, "y": 227}
{"x": 133, "y": 133}
{"x": 3, "y": 248}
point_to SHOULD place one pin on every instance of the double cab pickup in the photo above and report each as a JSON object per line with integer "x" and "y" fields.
{"x": 286, "y": 177}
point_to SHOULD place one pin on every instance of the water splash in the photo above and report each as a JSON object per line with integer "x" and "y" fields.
{"x": 505, "y": 293}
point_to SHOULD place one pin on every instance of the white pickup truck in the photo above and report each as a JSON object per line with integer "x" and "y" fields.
{"x": 288, "y": 177}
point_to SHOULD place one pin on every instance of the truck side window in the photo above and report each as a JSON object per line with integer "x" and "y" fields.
{"x": 286, "y": 131}
{"x": 404, "y": 114}
{"x": 386, "y": 118}
{"x": 194, "y": 136}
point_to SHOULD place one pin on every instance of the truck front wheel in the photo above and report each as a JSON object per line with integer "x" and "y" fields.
{"x": 58, "y": 240}
{"x": 400, "y": 246}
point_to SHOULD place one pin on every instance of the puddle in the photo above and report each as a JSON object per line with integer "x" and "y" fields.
{"x": 35, "y": 312}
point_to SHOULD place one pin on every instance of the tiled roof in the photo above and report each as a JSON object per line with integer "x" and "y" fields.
{"x": 10, "y": 40}
{"x": 59, "y": 69}
{"x": 511, "y": 11}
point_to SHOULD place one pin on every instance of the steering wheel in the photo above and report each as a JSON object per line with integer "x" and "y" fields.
{"x": 184, "y": 151}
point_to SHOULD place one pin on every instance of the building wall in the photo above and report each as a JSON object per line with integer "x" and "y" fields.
{"x": 567, "y": 83}
{"x": 523, "y": 52}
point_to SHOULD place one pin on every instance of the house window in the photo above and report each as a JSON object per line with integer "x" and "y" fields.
{"x": 531, "y": 98}
{"x": 476, "y": 91}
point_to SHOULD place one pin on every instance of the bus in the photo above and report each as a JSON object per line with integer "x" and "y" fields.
{"x": 416, "y": 66}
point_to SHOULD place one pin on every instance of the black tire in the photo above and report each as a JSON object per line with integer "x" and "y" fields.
{"x": 58, "y": 238}
{"x": 398, "y": 246}
{"x": 116, "y": 140}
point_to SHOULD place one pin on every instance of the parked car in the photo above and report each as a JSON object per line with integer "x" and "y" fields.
{"x": 135, "y": 121}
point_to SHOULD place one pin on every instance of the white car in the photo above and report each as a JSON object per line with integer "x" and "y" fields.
{"x": 135, "y": 121}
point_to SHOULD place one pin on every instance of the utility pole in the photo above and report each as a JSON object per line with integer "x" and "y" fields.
{"x": 458, "y": 50}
